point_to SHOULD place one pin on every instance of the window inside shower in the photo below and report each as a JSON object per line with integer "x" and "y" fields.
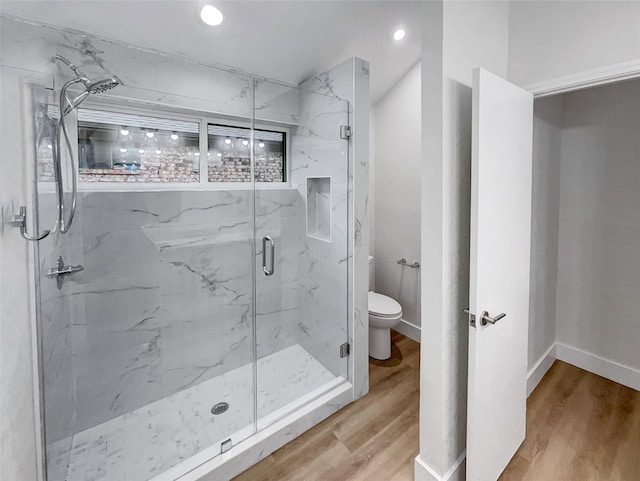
{"x": 118, "y": 147}
{"x": 124, "y": 148}
{"x": 229, "y": 154}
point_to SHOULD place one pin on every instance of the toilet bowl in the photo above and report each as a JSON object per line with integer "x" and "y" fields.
{"x": 384, "y": 313}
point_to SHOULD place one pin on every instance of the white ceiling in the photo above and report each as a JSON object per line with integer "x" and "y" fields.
{"x": 285, "y": 40}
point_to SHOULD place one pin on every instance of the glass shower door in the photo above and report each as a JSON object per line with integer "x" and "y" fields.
{"x": 300, "y": 167}
{"x": 147, "y": 352}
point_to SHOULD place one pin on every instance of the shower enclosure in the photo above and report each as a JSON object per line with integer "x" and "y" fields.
{"x": 209, "y": 291}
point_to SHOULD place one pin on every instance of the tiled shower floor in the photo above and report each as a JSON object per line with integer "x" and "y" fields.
{"x": 143, "y": 443}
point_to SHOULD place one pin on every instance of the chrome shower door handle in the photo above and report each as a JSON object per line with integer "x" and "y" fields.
{"x": 268, "y": 271}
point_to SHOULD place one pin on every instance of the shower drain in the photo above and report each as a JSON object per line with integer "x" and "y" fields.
{"x": 219, "y": 408}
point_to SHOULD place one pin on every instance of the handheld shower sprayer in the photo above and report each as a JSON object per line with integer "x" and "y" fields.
{"x": 66, "y": 106}
{"x": 48, "y": 127}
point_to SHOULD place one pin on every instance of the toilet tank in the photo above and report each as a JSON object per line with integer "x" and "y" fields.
{"x": 371, "y": 274}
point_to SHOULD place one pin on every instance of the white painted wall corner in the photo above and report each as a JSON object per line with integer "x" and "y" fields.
{"x": 537, "y": 372}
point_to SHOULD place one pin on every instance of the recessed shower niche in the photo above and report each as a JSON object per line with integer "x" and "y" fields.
{"x": 319, "y": 208}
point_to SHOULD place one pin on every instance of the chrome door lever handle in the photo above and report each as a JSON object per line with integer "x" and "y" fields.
{"x": 487, "y": 319}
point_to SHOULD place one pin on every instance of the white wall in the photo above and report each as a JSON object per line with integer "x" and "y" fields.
{"x": 372, "y": 181}
{"x": 397, "y": 193}
{"x": 457, "y": 37}
{"x": 531, "y": 42}
{"x": 544, "y": 226}
{"x": 549, "y": 39}
{"x": 599, "y": 235}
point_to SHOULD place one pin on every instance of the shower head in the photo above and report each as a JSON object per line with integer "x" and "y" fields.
{"x": 103, "y": 85}
{"x": 91, "y": 87}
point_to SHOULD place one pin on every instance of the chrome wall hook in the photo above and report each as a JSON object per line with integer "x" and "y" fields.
{"x": 19, "y": 220}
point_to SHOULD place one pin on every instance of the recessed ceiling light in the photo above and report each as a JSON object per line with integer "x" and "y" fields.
{"x": 211, "y": 15}
{"x": 399, "y": 34}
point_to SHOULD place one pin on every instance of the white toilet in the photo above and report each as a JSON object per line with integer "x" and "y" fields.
{"x": 384, "y": 313}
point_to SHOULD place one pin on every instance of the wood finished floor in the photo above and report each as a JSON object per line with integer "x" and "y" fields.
{"x": 373, "y": 439}
{"x": 580, "y": 427}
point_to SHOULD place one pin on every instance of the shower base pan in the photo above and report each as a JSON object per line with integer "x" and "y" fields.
{"x": 178, "y": 437}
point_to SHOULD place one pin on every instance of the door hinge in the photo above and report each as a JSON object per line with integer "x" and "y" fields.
{"x": 345, "y": 349}
{"x": 345, "y": 132}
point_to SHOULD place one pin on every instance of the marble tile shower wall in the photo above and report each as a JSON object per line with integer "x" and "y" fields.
{"x": 322, "y": 269}
{"x": 164, "y": 300}
{"x": 350, "y": 81}
{"x": 318, "y": 151}
{"x": 55, "y": 324}
{"x": 110, "y": 341}
{"x": 146, "y": 76}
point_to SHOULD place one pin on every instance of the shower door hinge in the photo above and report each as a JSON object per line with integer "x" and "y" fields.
{"x": 345, "y": 132}
{"x": 345, "y": 349}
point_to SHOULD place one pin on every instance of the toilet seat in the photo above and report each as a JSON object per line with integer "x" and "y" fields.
{"x": 383, "y": 306}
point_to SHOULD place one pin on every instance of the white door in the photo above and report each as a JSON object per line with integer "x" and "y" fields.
{"x": 499, "y": 284}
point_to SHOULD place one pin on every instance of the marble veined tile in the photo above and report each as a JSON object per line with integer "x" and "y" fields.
{"x": 143, "y": 443}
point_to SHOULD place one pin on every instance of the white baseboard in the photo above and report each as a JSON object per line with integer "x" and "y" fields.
{"x": 625, "y": 375}
{"x": 457, "y": 472}
{"x": 408, "y": 329}
{"x": 537, "y": 372}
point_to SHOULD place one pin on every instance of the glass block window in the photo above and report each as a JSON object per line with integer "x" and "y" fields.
{"x": 229, "y": 155}
{"x": 122, "y": 147}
